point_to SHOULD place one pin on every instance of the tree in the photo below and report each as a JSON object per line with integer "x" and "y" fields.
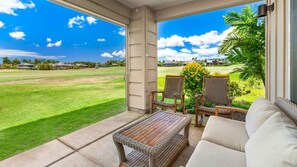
{"x": 15, "y": 61}
{"x": 36, "y": 61}
{"x": 6, "y": 60}
{"x": 246, "y": 43}
{"x": 24, "y": 60}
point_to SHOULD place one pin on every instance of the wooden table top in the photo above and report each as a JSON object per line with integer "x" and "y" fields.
{"x": 153, "y": 129}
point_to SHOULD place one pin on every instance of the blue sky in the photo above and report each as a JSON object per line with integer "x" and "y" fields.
{"x": 40, "y": 29}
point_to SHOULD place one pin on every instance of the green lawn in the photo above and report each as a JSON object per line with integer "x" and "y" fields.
{"x": 39, "y": 106}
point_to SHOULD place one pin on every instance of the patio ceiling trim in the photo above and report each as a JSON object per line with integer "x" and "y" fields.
{"x": 195, "y": 7}
{"x": 110, "y": 10}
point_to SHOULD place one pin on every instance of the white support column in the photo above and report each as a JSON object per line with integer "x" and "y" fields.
{"x": 277, "y": 64}
{"x": 141, "y": 58}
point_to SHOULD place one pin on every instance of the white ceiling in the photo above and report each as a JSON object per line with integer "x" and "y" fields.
{"x": 154, "y": 4}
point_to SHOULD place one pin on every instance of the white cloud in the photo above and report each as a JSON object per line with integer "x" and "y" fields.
{"x": 48, "y": 40}
{"x": 18, "y": 35}
{"x": 101, "y": 40}
{"x": 122, "y": 31}
{"x": 206, "y": 46}
{"x": 56, "y": 44}
{"x": 22, "y": 53}
{"x": 9, "y": 6}
{"x": 204, "y": 40}
{"x": 172, "y": 41}
{"x": 106, "y": 55}
{"x": 206, "y": 51}
{"x": 171, "y": 54}
{"x": 2, "y": 24}
{"x": 78, "y": 20}
{"x": 185, "y": 50}
{"x": 120, "y": 53}
{"x": 212, "y": 37}
{"x": 36, "y": 45}
{"x": 91, "y": 20}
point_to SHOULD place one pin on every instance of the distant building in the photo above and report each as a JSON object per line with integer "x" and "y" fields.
{"x": 208, "y": 63}
{"x": 171, "y": 63}
{"x": 81, "y": 65}
{"x": 62, "y": 66}
{"x": 26, "y": 66}
{"x": 213, "y": 62}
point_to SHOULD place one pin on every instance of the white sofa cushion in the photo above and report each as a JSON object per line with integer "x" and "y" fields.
{"x": 226, "y": 132}
{"x": 260, "y": 110}
{"x": 212, "y": 155}
{"x": 274, "y": 144}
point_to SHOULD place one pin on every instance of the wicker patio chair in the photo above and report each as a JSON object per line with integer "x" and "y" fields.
{"x": 215, "y": 92}
{"x": 174, "y": 89}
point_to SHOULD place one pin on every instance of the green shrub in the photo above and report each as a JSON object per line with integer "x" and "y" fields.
{"x": 193, "y": 73}
{"x": 76, "y": 67}
{"x": 44, "y": 67}
{"x": 236, "y": 90}
{"x": 190, "y": 105}
{"x": 7, "y": 66}
{"x": 241, "y": 104}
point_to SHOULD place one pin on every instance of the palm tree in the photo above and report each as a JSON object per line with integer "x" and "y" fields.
{"x": 15, "y": 61}
{"x": 6, "y": 60}
{"x": 246, "y": 43}
{"x": 36, "y": 61}
{"x": 24, "y": 60}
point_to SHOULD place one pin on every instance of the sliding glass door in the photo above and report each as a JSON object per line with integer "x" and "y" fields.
{"x": 293, "y": 50}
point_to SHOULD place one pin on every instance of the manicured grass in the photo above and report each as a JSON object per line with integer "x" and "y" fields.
{"x": 20, "y": 138}
{"x": 39, "y": 106}
{"x": 22, "y": 103}
{"x": 16, "y": 75}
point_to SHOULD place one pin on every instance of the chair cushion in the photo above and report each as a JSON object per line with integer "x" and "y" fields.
{"x": 274, "y": 144}
{"x": 260, "y": 110}
{"x": 212, "y": 110}
{"x": 226, "y": 132}
{"x": 208, "y": 154}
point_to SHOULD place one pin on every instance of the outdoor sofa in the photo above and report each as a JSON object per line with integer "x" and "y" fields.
{"x": 268, "y": 138}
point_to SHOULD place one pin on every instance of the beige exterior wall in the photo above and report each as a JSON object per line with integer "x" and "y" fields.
{"x": 277, "y": 62}
{"x": 197, "y": 6}
{"x": 141, "y": 58}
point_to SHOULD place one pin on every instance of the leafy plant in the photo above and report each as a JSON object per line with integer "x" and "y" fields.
{"x": 190, "y": 105}
{"x": 245, "y": 44}
{"x": 236, "y": 90}
{"x": 76, "y": 67}
{"x": 193, "y": 73}
{"x": 7, "y": 66}
{"x": 44, "y": 67}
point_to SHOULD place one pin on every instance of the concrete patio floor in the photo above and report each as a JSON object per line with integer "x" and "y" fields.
{"x": 90, "y": 147}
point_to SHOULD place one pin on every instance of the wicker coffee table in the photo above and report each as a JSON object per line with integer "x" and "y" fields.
{"x": 156, "y": 140}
